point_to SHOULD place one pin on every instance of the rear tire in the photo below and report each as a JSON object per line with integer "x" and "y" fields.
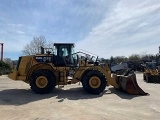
{"x": 94, "y": 82}
{"x": 42, "y": 81}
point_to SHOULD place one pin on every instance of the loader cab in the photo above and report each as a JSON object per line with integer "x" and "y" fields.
{"x": 63, "y": 49}
{"x": 63, "y": 54}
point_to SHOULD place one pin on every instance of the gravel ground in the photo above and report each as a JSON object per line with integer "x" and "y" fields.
{"x": 18, "y": 102}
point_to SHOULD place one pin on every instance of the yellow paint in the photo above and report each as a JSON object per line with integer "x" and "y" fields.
{"x": 94, "y": 82}
{"x": 41, "y": 82}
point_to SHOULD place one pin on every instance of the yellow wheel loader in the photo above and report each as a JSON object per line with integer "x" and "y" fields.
{"x": 151, "y": 73}
{"x": 45, "y": 71}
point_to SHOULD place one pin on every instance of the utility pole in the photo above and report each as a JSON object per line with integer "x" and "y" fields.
{"x": 1, "y": 51}
{"x": 159, "y": 60}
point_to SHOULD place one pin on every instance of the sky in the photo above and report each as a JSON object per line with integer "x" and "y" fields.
{"x": 102, "y": 27}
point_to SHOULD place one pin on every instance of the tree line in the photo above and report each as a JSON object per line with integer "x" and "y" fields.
{"x": 135, "y": 58}
{"x": 5, "y": 68}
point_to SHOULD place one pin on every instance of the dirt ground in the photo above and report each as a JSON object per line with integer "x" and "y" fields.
{"x": 18, "y": 102}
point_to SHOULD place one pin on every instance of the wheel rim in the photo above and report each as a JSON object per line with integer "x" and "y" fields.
{"x": 41, "y": 82}
{"x": 94, "y": 82}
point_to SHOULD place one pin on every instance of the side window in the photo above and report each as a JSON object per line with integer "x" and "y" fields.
{"x": 65, "y": 52}
{"x": 60, "y": 51}
{"x": 55, "y": 50}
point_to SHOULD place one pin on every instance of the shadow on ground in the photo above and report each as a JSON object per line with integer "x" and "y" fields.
{"x": 123, "y": 94}
{"x": 24, "y": 96}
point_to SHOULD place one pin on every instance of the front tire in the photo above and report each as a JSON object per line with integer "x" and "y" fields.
{"x": 94, "y": 82}
{"x": 42, "y": 81}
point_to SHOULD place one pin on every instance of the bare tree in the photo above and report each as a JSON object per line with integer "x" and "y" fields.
{"x": 49, "y": 44}
{"x": 34, "y": 46}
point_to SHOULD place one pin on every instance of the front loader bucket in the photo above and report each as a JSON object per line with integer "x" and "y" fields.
{"x": 13, "y": 75}
{"x": 129, "y": 84}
